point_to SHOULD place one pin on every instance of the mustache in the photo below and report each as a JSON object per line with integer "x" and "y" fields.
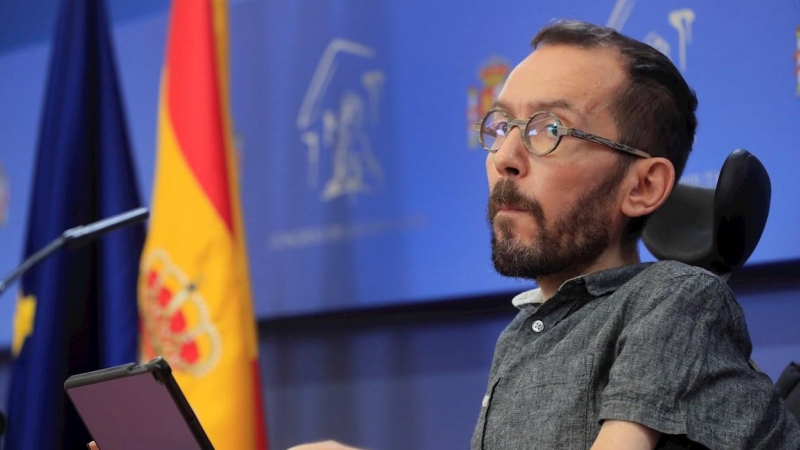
{"x": 506, "y": 193}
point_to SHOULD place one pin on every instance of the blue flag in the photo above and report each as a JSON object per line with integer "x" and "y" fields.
{"x": 77, "y": 310}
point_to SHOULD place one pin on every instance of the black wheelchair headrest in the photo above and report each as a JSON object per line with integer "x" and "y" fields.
{"x": 788, "y": 387}
{"x": 716, "y": 229}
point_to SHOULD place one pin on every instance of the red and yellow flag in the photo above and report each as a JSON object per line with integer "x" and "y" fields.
{"x": 194, "y": 289}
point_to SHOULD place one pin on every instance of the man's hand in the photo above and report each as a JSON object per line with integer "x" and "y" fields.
{"x": 327, "y": 445}
{"x": 619, "y": 435}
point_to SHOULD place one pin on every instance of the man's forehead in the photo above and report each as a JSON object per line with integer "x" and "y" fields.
{"x": 568, "y": 78}
{"x": 554, "y": 105}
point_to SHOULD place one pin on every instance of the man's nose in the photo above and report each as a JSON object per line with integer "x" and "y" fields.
{"x": 511, "y": 159}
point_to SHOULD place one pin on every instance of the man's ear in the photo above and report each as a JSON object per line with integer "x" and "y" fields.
{"x": 649, "y": 183}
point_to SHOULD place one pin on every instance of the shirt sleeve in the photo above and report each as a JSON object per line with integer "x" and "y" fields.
{"x": 682, "y": 367}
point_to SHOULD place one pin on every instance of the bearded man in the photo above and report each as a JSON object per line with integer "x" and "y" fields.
{"x": 586, "y": 139}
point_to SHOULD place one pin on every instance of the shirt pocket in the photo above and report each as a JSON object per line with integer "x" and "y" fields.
{"x": 540, "y": 404}
{"x": 480, "y": 427}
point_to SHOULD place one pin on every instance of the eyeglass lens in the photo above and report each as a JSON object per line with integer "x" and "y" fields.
{"x": 540, "y": 131}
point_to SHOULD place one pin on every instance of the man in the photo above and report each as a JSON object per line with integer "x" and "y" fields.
{"x": 608, "y": 353}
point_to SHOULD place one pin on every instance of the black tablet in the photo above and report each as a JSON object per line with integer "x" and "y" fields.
{"x": 136, "y": 407}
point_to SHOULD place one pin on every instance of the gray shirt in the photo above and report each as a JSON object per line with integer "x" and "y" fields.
{"x": 664, "y": 345}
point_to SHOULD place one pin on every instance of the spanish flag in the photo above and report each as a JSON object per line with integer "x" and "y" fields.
{"x": 194, "y": 289}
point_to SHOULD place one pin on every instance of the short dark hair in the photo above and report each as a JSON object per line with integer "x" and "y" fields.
{"x": 654, "y": 111}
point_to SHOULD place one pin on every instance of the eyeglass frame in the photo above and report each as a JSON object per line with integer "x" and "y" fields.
{"x": 561, "y": 131}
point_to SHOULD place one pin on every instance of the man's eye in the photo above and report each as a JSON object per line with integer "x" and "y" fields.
{"x": 498, "y": 129}
{"x": 542, "y": 127}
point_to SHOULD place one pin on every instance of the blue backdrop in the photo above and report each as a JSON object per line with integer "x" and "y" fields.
{"x": 361, "y": 185}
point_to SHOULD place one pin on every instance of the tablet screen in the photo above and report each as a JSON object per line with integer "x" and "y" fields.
{"x": 133, "y": 412}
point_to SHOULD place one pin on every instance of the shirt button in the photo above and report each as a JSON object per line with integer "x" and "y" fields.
{"x": 538, "y": 326}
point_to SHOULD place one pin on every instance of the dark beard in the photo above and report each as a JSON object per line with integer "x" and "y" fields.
{"x": 574, "y": 242}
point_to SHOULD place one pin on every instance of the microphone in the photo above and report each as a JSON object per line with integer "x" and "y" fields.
{"x": 76, "y": 237}
{"x": 81, "y": 235}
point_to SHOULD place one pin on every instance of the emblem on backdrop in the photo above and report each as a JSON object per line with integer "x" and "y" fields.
{"x": 339, "y": 120}
{"x": 175, "y": 320}
{"x": 680, "y": 20}
{"x": 480, "y": 98}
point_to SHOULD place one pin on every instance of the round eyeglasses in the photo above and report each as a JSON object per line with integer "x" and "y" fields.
{"x": 541, "y": 133}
